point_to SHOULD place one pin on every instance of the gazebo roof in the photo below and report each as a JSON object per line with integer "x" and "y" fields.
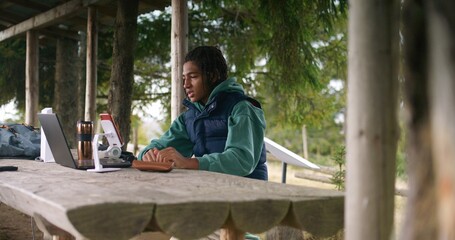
{"x": 56, "y": 18}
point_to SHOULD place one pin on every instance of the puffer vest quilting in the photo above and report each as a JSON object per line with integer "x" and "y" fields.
{"x": 208, "y": 129}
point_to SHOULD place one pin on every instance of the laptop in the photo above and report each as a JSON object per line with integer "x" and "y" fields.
{"x": 52, "y": 128}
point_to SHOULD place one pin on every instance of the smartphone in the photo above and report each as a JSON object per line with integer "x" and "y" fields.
{"x": 110, "y": 128}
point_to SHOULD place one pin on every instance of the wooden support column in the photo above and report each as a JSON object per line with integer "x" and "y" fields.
{"x": 179, "y": 47}
{"x": 441, "y": 34}
{"x": 32, "y": 78}
{"x": 372, "y": 121}
{"x": 92, "y": 49}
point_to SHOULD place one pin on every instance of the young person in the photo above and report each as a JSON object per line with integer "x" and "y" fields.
{"x": 222, "y": 130}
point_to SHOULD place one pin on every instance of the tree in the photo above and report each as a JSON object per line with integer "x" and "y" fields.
{"x": 284, "y": 36}
{"x": 122, "y": 75}
{"x": 12, "y": 81}
{"x": 12, "y": 65}
{"x": 153, "y": 80}
{"x": 66, "y": 85}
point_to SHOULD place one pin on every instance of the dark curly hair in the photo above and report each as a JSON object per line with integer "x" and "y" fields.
{"x": 211, "y": 62}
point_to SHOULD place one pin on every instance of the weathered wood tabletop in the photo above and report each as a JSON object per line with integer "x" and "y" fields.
{"x": 187, "y": 204}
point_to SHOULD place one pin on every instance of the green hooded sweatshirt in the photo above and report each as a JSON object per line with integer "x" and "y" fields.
{"x": 246, "y": 129}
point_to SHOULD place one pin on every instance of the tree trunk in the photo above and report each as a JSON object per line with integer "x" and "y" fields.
{"x": 122, "y": 74}
{"x": 372, "y": 128}
{"x": 420, "y": 219}
{"x": 442, "y": 98}
{"x": 66, "y": 85}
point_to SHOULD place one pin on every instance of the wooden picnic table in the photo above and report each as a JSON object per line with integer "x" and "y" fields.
{"x": 187, "y": 204}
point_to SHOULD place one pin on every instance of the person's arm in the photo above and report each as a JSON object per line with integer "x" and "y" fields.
{"x": 176, "y": 137}
{"x": 246, "y": 128}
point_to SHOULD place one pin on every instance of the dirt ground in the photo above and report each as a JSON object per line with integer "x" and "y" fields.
{"x": 16, "y": 225}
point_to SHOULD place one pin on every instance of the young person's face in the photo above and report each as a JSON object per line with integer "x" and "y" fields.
{"x": 193, "y": 83}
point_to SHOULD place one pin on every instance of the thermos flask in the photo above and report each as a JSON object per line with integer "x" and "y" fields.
{"x": 84, "y": 143}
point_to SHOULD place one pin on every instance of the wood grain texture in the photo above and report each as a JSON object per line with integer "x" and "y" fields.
{"x": 187, "y": 204}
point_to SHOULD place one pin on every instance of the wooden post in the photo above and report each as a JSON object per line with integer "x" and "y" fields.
{"x": 305, "y": 143}
{"x": 372, "y": 123}
{"x": 421, "y": 202}
{"x": 442, "y": 96}
{"x": 179, "y": 47}
{"x": 92, "y": 49}
{"x": 32, "y": 78}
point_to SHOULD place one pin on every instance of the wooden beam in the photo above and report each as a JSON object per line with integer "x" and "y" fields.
{"x": 47, "y": 18}
{"x": 11, "y": 18}
{"x": 52, "y": 31}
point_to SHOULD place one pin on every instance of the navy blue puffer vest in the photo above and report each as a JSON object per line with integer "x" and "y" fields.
{"x": 208, "y": 129}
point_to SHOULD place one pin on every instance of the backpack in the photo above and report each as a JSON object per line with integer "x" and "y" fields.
{"x": 19, "y": 141}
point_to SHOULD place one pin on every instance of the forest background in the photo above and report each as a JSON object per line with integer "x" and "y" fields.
{"x": 292, "y": 57}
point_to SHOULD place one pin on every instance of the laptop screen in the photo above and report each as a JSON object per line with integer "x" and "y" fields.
{"x": 56, "y": 139}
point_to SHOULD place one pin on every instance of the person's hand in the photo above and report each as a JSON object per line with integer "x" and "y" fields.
{"x": 171, "y": 155}
{"x": 150, "y": 155}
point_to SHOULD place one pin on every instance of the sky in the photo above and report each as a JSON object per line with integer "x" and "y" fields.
{"x": 8, "y": 111}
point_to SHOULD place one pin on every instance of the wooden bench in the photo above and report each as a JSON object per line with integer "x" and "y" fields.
{"x": 187, "y": 204}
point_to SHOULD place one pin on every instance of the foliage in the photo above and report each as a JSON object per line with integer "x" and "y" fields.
{"x": 153, "y": 78}
{"x": 12, "y": 79}
{"x": 12, "y": 66}
{"x": 285, "y": 54}
{"x": 401, "y": 163}
{"x": 338, "y": 178}
{"x": 284, "y": 36}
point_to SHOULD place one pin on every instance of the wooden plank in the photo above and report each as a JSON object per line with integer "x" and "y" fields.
{"x": 313, "y": 177}
{"x": 185, "y": 220}
{"x": 47, "y": 18}
{"x": 131, "y": 218}
{"x": 250, "y": 217}
{"x": 32, "y": 5}
{"x": 322, "y": 215}
{"x": 187, "y": 204}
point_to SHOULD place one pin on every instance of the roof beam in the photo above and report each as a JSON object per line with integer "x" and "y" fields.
{"x": 31, "y": 5}
{"x": 44, "y": 19}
